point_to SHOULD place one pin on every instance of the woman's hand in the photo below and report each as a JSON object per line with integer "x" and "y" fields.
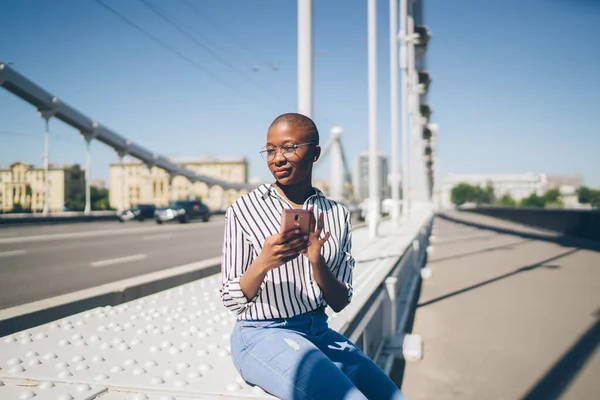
{"x": 281, "y": 248}
{"x": 315, "y": 244}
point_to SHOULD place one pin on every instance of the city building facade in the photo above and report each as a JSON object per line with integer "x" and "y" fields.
{"x": 132, "y": 183}
{"x": 361, "y": 177}
{"x": 22, "y": 187}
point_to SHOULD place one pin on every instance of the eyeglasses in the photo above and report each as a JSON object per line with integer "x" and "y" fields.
{"x": 287, "y": 151}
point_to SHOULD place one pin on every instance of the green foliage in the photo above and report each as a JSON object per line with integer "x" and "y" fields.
{"x": 461, "y": 194}
{"x": 18, "y": 209}
{"x": 532, "y": 201}
{"x": 98, "y": 200}
{"x": 465, "y": 193}
{"x": 589, "y": 196}
{"x": 506, "y": 201}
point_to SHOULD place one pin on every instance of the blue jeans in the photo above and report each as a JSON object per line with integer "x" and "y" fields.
{"x": 301, "y": 358}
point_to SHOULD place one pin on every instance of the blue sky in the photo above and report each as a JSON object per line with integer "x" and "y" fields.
{"x": 515, "y": 83}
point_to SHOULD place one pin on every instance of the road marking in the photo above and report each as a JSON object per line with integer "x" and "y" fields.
{"x": 107, "y": 232}
{"x": 120, "y": 260}
{"x": 12, "y": 253}
{"x": 158, "y": 237}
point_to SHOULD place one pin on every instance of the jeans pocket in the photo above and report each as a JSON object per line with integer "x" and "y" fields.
{"x": 249, "y": 332}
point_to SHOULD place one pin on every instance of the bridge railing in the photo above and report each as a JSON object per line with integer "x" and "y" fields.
{"x": 583, "y": 224}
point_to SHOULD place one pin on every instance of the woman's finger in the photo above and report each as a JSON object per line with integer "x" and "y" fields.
{"x": 325, "y": 238}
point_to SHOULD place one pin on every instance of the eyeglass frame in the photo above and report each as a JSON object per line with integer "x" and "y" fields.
{"x": 295, "y": 146}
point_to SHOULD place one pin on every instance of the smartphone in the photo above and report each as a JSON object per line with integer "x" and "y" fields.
{"x": 296, "y": 218}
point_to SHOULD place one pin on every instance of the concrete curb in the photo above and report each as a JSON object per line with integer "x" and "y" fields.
{"x": 57, "y": 218}
{"x": 36, "y": 313}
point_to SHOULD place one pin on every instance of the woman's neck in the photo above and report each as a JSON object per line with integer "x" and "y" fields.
{"x": 296, "y": 194}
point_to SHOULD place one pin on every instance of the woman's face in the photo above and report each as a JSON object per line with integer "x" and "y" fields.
{"x": 295, "y": 166}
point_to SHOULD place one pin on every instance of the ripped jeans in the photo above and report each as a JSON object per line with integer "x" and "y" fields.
{"x": 302, "y": 358}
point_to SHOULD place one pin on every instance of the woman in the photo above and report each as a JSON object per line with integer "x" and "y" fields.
{"x": 280, "y": 283}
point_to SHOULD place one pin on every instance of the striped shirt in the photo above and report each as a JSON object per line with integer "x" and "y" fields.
{"x": 290, "y": 289}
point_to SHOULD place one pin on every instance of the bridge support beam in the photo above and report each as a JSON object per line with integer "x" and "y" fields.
{"x": 395, "y": 183}
{"x": 336, "y": 184}
{"x": 305, "y": 58}
{"x": 88, "y": 170}
{"x": 406, "y": 200}
{"x": 374, "y": 181}
{"x": 46, "y": 115}
{"x": 122, "y": 199}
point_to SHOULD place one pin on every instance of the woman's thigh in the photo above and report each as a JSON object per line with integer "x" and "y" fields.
{"x": 362, "y": 371}
{"x": 287, "y": 365}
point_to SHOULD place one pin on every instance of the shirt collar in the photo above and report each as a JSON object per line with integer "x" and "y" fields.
{"x": 268, "y": 190}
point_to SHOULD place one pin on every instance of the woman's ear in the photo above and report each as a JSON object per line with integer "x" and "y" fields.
{"x": 317, "y": 153}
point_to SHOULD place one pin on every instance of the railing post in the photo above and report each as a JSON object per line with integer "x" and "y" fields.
{"x": 390, "y": 287}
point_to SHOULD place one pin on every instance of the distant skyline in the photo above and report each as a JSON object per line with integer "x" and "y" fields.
{"x": 512, "y": 91}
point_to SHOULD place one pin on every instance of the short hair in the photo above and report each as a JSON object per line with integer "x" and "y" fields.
{"x": 299, "y": 121}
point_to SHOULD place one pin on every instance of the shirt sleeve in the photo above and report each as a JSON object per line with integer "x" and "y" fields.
{"x": 345, "y": 270}
{"x": 236, "y": 257}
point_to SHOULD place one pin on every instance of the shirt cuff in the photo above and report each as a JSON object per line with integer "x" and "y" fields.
{"x": 235, "y": 291}
{"x": 350, "y": 291}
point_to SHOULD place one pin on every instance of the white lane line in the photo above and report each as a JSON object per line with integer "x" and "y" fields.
{"x": 120, "y": 260}
{"x": 107, "y": 232}
{"x": 157, "y": 237}
{"x": 12, "y": 253}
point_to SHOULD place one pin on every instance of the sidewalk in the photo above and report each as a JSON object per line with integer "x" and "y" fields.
{"x": 506, "y": 316}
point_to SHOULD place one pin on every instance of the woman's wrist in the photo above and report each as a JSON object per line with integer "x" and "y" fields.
{"x": 316, "y": 261}
{"x": 261, "y": 266}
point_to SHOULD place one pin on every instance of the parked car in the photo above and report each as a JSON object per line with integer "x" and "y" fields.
{"x": 140, "y": 212}
{"x": 182, "y": 211}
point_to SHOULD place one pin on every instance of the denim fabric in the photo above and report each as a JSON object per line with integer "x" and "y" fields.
{"x": 302, "y": 358}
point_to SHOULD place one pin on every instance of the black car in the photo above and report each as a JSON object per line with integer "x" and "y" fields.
{"x": 182, "y": 211}
{"x": 137, "y": 213}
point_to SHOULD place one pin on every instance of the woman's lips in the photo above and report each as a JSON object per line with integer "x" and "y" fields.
{"x": 282, "y": 173}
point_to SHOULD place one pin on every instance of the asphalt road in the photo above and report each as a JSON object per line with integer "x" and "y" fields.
{"x": 37, "y": 262}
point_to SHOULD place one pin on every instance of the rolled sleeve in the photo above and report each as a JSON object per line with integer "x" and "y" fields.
{"x": 346, "y": 268}
{"x": 235, "y": 259}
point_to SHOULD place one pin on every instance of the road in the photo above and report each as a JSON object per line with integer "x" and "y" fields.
{"x": 37, "y": 262}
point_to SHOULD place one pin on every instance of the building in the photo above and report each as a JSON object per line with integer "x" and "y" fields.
{"x": 133, "y": 183}
{"x": 22, "y": 185}
{"x": 518, "y": 186}
{"x": 361, "y": 177}
{"x": 98, "y": 183}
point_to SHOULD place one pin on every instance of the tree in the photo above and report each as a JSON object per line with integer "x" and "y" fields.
{"x": 462, "y": 193}
{"x": 506, "y": 201}
{"x": 589, "y": 196}
{"x": 465, "y": 193}
{"x": 98, "y": 200}
{"x": 532, "y": 201}
{"x": 484, "y": 195}
{"x": 552, "y": 199}
{"x": 17, "y": 208}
